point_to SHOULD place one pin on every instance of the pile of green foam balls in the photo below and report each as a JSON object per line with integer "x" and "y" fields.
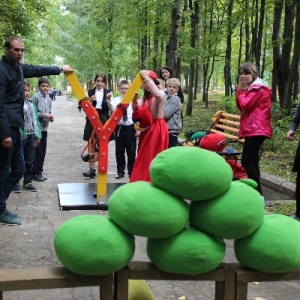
{"x": 188, "y": 211}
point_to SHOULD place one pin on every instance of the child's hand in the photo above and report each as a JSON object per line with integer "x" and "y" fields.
{"x": 144, "y": 73}
{"x": 108, "y": 96}
{"x": 51, "y": 118}
{"x": 135, "y": 102}
{"x": 36, "y": 142}
{"x": 290, "y": 135}
{"x": 242, "y": 85}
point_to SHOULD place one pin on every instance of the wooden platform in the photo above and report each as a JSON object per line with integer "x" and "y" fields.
{"x": 82, "y": 196}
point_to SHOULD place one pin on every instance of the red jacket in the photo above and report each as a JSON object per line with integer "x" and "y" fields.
{"x": 255, "y": 106}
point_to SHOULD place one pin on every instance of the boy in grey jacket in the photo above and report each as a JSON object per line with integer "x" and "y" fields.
{"x": 43, "y": 104}
{"x": 172, "y": 112}
{"x": 31, "y": 135}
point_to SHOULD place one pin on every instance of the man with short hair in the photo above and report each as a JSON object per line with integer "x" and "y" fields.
{"x": 12, "y": 74}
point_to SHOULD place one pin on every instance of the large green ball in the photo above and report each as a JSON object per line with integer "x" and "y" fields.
{"x": 142, "y": 209}
{"x": 273, "y": 248}
{"x": 93, "y": 245}
{"x": 235, "y": 214}
{"x": 191, "y": 173}
{"x": 189, "y": 252}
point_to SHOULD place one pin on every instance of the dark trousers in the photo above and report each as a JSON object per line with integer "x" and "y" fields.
{"x": 12, "y": 166}
{"x": 29, "y": 156}
{"x": 125, "y": 141}
{"x": 173, "y": 140}
{"x": 250, "y": 158}
{"x": 40, "y": 154}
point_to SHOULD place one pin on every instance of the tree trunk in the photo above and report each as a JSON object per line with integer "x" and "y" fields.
{"x": 291, "y": 91}
{"x": 227, "y": 67}
{"x": 276, "y": 73}
{"x": 194, "y": 23}
{"x": 171, "y": 54}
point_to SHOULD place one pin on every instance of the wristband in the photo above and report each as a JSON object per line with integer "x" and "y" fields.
{"x": 147, "y": 79}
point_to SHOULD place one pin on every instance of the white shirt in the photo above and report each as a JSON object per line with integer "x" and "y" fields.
{"x": 112, "y": 106}
{"x": 99, "y": 95}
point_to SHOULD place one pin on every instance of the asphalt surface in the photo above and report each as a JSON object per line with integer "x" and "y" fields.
{"x": 31, "y": 244}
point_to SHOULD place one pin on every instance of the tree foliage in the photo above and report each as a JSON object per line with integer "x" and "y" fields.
{"x": 203, "y": 41}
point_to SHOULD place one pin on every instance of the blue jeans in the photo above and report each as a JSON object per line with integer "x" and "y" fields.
{"x": 12, "y": 166}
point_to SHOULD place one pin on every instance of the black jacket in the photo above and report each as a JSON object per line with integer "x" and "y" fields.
{"x": 105, "y": 108}
{"x": 12, "y": 92}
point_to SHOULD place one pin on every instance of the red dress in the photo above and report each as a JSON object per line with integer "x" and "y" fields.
{"x": 151, "y": 142}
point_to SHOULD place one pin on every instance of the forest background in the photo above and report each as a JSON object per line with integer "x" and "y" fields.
{"x": 204, "y": 42}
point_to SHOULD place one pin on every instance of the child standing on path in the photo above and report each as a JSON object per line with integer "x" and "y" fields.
{"x": 172, "y": 112}
{"x": 154, "y": 139}
{"x": 253, "y": 99}
{"x": 98, "y": 96}
{"x": 43, "y": 104}
{"x": 31, "y": 136}
{"x": 125, "y": 139}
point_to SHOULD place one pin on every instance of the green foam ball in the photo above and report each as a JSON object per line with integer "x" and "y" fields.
{"x": 142, "y": 209}
{"x": 191, "y": 173}
{"x": 273, "y": 248}
{"x": 235, "y": 214}
{"x": 189, "y": 252}
{"x": 93, "y": 245}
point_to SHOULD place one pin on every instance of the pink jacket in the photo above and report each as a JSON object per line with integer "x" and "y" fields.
{"x": 255, "y": 106}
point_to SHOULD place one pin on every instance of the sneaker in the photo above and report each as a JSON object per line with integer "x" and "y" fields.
{"x": 44, "y": 176}
{"x": 295, "y": 217}
{"x": 17, "y": 189}
{"x": 9, "y": 219}
{"x": 38, "y": 177}
{"x": 119, "y": 175}
{"x": 14, "y": 215}
{"x": 29, "y": 187}
{"x": 90, "y": 173}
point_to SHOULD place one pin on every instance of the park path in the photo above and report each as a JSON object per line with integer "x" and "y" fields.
{"x": 31, "y": 244}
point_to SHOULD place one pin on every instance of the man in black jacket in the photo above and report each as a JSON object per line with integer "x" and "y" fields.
{"x": 12, "y": 74}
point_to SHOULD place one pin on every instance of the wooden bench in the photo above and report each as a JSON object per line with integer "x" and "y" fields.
{"x": 224, "y": 278}
{"x": 227, "y": 125}
{"x": 52, "y": 278}
{"x": 245, "y": 275}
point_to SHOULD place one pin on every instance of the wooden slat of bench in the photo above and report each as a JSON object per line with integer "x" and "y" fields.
{"x": 48, "y": 278}
{"x": 230, "y": 136}
{"x": 232, "y": 116}
{"x": 248, "y": 275}
{"x": 147, "y": 271}
{"x": 226, "y": 121}
{"x": 224, "y": 127}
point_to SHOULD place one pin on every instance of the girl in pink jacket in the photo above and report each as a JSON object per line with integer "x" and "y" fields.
{"x": 253, "y": 99}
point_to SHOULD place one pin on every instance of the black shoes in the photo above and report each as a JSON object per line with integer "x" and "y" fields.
{"x": 90, "y": 173}
{"x": 38, "y": 177}
{"x": 119, "y": 175}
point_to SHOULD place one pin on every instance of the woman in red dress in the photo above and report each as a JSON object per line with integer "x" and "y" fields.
{"x": 154, "y": 138}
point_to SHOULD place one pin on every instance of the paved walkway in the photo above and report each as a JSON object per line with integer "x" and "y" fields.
{"x": 31, "y": 244}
